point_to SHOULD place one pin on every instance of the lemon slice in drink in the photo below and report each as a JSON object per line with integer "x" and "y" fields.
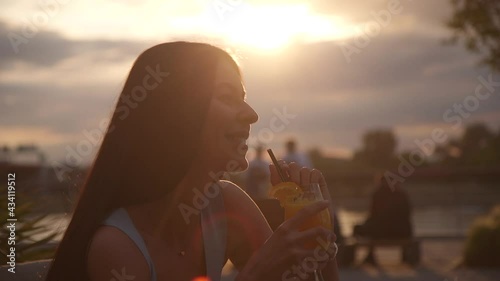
{"x": 285, "y": 192}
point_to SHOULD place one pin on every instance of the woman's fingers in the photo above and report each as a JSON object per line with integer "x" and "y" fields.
{"x": 275, "y": 177}
{"x": 317, "y": 256}
{"x": 305, "y": 176}
{"x": 316, "y": 176}
{"x": 313, "y": 234}
{"x": 314, "y": 245}
{"x": 294, "y": 171}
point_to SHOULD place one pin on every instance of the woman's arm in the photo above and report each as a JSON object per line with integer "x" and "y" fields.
{"x": 257, "y": 252}
{"x": 113, "y": 255}
{"x": 248, "y": 229}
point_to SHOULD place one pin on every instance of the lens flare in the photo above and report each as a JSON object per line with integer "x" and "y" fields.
{"x": 201, "y": 278}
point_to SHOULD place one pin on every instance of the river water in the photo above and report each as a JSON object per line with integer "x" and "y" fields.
{"x": 428, "y": 222}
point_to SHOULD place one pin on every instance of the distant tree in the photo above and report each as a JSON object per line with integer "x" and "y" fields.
{"x": 492, "y": 151}
{"x": 378, "y": 149}
{"x": 5, "y": 154}
{"x": 409, "y": 155}
{"x": 449, "y": 153}
{"x": 495, "y": 144}
{"x": 30, "y": 150}
{"x": 478, "y": 146}
{"x": 477, "y": 24}
{"x": 475, "y": 144}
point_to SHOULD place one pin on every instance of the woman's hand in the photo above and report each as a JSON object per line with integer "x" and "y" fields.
{"x": 284, "y": 251}
{"x": 283, "y": 256}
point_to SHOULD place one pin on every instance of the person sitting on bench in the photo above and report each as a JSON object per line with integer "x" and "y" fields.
{"x": 389, "y": 218}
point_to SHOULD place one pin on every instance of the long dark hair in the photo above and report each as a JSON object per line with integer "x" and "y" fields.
{"x": 150, "y": 144}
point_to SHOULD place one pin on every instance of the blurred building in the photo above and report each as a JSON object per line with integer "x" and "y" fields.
{"x": 36, "y": 180}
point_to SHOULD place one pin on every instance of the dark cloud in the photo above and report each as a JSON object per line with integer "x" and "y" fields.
{"x": 425, "y": 11}
{"x": 66, "y": 110}
{"x": 46, "y": 48}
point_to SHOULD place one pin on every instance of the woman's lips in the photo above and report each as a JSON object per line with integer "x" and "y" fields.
{"x": 238, "y": 140}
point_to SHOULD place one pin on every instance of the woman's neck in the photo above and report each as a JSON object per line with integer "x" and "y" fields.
{"x": 177, "y": 209}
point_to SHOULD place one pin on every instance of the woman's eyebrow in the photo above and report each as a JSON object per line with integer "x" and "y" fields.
{"x": 233, "y": 88}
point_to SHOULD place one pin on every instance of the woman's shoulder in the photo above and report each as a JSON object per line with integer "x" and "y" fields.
{"x": 239, "y": 203}
{"x": 113, "y": 255}
{"x": 230, "y": 189}
{"x": 247, "y": 227}
{"x": 234, "y": 196}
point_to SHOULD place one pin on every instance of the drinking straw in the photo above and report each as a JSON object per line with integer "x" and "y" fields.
{"x": 278, "y": 167}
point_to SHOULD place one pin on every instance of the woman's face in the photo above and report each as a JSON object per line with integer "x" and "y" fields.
{"x": 228, "y": 122}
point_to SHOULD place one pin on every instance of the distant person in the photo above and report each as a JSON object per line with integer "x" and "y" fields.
{"x": 257, "y": 180}
{"x": 292, "y": 155}
{"x": 389, "y": 218}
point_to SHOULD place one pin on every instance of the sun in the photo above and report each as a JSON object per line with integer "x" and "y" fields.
{"x": 275, "y": 27}
{"x": 264, "y": 28}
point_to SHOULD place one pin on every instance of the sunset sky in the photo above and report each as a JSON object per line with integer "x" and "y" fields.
{"x": 63, "y": 65}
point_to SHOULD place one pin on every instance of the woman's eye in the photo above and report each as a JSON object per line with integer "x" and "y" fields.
{"x": 230, "y": 99}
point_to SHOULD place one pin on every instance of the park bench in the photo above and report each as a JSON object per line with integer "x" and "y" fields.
{"x": 410, "y": 248}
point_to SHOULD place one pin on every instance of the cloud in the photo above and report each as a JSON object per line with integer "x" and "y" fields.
{"x": 63, "y": 110}
{"x": 322, "y": 67}
{"x": 404, "y": 80}
{"x": 427, "y": 12}
{"x": 48, "y": 48}
{"x": 25, "y": 135}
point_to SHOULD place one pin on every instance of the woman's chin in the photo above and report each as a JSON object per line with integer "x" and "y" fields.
{"x": 242, "y": 164}
{"x": 239, "y": 164}
{"x": 232, "y": 164}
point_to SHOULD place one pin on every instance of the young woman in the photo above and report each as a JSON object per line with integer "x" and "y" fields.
{"x": 154, "y": 207}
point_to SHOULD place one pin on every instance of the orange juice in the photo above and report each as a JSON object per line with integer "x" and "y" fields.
{"x": 320, "y": 219}
{"x": 293, "y": 198}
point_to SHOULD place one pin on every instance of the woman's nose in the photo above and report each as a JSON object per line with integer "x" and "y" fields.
{"x": 248, "y": 114}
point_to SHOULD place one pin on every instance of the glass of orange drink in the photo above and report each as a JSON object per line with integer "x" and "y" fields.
{"x": 293, "y": 198}
{"x": 311, "y": 194}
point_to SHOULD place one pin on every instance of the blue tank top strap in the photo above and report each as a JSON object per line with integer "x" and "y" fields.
{"x": 214, "y": 232}
{"x": 120, "y": 219}
{"x": 214, "y": 228}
